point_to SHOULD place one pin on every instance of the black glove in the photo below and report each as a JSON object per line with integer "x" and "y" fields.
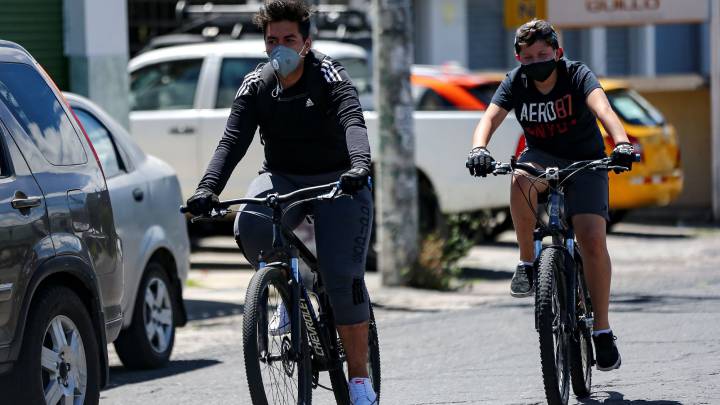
{"x": 623, "y": 155}
{"x": 480, "y": 162}
{"x": 202, "y": 202}
{"x": 354, "y": 180}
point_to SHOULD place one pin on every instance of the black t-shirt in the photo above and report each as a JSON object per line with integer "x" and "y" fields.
{"x": 560, "y": 122}
{"x": 314, "y": 127}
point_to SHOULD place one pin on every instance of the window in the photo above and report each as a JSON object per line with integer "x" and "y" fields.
{"x": 38, "y": 111}
{"x": 484, "y": 92}
{"x": 232, "y": 73}
{"x": 165, "y": 86}
{"x": 634, "y": 109}
{"x": 359, "y": 73}
{"x": 102, "y": 142}
{"x": 429, "y": 100}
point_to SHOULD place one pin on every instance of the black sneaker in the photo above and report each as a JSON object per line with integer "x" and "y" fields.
{"x": 607, "y": 355}
{"x": 522, "y": 282}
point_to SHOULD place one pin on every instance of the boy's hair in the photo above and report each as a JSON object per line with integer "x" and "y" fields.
{"x": 533, "y": 31}
{"x": 284, "y": 10}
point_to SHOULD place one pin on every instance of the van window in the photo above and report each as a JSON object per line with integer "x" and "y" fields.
{"x": 232, "y": 73}
{"x": 165, "y": 86}
{"x": 35, "y": 107}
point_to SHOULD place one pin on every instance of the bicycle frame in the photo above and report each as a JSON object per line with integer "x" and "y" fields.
{"x": 290, "y": 249}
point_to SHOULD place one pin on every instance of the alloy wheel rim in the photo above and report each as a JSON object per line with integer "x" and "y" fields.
{"x": 63, "y": 363}
{"x": 157, "y": 314}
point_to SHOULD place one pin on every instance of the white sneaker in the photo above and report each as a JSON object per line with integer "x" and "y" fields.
{"x": 280, "y": 322}
{"x": 362, "y": 392}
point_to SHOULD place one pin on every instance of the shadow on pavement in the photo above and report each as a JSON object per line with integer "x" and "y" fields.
{"x": 120, "y": 376}
{"x": 641, "y": 302}
{"x": 487, "y": 274}
{"x": 653, "y": 235}
{"x": 198, "y": 309}
{"x": 612, "y": 397}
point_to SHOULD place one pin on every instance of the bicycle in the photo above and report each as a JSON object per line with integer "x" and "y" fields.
{"x": 286, "y": 368}
{"x": 563, "y": 309}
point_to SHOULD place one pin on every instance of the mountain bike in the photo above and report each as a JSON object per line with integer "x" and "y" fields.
{"x": 285, "y": 369}
{"x": 563, "y": 309}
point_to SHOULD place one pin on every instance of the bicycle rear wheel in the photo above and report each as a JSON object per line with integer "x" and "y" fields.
{"x": 275, "y": 373}
{"x": 551, "y": 318}
{"x": 338, "y": 378}
{"x": 581, "y": 348}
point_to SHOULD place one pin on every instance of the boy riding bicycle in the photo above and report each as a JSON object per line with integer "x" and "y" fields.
{"x": 557, "y": 102}
{"x": 313, "y": 131}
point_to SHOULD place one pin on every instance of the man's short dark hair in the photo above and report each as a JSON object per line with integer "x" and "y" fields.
{"x": 284, "y": 10}
{"x": 533, "y": 31}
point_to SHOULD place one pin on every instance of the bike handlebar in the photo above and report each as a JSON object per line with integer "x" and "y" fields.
{"x": 554, "y": 172}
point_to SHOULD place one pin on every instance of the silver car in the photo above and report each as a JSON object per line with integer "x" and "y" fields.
{"x": 145, "y": 195}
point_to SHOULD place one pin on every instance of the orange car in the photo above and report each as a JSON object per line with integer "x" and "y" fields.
{"x": 443, "y": 88}
{"x": 655, "y": 181}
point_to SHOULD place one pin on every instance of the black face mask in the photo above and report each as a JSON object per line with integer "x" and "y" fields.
{"x": 540, "y": 71}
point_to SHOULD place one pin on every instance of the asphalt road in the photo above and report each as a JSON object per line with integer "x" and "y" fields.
{"x": 477, "y": 345}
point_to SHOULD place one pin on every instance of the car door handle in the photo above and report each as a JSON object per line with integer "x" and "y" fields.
{"x": 182, "y": 130}
{"x": 25, "y": 203}
{"x": 138, "y": 194}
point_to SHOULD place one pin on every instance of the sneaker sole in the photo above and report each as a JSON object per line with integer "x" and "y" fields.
{"x": 613, "y": 367}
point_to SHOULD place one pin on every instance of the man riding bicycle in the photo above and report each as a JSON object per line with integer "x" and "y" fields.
{"x": 557, "y": 102}
{"x": 313, "y": 131}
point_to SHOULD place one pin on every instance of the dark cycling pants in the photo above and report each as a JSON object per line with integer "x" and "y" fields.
{"x": 586, "y": 192}
{"x": 342, "y": 235}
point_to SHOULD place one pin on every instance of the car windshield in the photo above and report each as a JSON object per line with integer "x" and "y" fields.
{"x": 483, "y": 92}
{"x": 634, "y": 109}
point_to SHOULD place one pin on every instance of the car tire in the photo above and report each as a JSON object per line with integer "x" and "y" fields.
{"x": 58, "y": 328}
{"x": 154, "y": 299}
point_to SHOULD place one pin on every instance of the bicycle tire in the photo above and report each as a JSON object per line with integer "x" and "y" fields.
{"x": 581, "y": 348}
{"x": 256, "y": 303}
{"x": 549, "y": 308}
{"x": 338, "y": 378}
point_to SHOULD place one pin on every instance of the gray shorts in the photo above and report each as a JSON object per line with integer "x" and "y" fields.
{"x": 585, "y": 193}
{"x": 342, "y": 235}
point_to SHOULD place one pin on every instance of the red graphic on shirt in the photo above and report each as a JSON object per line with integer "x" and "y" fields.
{"x": 548, "y": 119}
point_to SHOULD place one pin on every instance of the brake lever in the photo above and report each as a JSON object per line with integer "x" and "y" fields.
{"x": 215, "y": 213}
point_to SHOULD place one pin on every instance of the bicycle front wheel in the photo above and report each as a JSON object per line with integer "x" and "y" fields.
{"x": 552, "y": 329}
{"x": 276, "y": 374}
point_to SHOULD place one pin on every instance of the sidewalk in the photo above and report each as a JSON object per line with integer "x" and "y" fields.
{"x": 219, "y": 274}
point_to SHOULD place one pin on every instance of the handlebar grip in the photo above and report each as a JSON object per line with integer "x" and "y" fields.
{"x": 184, "y": 209}
{"x": 636, "y": 157}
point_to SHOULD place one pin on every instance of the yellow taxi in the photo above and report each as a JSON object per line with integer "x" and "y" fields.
{"x": 657, "y": 179}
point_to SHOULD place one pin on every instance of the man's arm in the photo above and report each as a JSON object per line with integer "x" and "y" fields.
{"x": 239, "y": 132}
{"x": 345, "y": 104}
{"x": 600, "y": 106}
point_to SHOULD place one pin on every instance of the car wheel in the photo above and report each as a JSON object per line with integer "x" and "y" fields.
{"x": 148, "y": 342}
{"x": 59, "y": 361}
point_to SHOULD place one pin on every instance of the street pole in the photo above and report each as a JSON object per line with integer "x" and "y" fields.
{"x": 396, "y": 179}
{"x": 715, "y": 104}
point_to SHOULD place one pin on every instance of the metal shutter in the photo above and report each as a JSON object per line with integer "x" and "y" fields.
{"x": 618, "y": 51}
{"x": 677, "y": 48}
{"x": 37, "y": 25}
{"x": 487, "y": 42}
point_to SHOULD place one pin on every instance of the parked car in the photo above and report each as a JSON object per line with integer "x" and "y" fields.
{"x": 450, "y": 88}
{"x": 156, "y": 250}
{"x": 181, "y": 98}
{"x": 61, "y": 276}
